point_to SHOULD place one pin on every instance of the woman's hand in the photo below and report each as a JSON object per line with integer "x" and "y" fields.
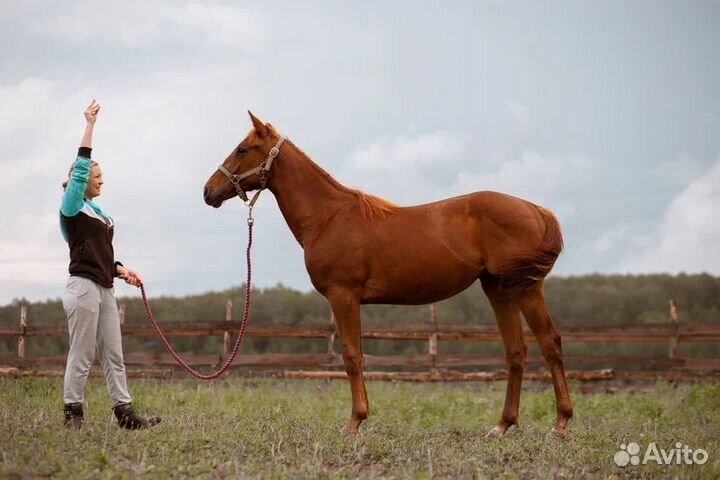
{"x": 91, "y": 112}
{"x": 129, "y": 276}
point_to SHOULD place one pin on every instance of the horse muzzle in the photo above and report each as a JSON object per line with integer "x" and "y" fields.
{"x": 210, "y": 199}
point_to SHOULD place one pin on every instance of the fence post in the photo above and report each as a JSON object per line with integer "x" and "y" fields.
{"x": 226, "y": 335}
{"x": 674, "y": 330}
{"x": 121, "y": 313}
{"x": 432, "y": 345}
{"x": 23, "y": 328}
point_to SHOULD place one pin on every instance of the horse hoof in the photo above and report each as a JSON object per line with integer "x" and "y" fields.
{"x": 495, "y": 432}
{"x": 559, "y": 433}
{"x": 499, "y": 432}
{"x": 349, "y": 430}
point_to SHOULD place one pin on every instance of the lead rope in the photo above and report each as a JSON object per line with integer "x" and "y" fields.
{"x": 243, "y": 325}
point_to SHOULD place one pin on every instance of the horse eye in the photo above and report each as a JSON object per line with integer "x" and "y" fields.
{"x": 240, "y": 151}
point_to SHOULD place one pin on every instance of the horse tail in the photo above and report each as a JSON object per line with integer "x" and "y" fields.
{"x": 534, "y": 265}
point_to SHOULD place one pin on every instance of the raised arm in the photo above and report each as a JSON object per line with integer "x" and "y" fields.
{"x": 73, "y": 197}
{"x": 91, "y": 114}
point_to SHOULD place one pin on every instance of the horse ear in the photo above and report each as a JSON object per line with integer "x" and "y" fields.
{"x": 258, "y": 125}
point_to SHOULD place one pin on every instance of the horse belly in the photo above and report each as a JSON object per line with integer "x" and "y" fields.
{"x": 416, "y": 280}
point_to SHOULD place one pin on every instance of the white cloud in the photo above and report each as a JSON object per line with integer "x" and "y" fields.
{"x": 37, "y": 273}
{"x": 24, "y": 100}
{"x": 688, "y": 239}
{"x": 33, "y": 129}
{"x": 31, "y": 253}
{"x": 222, "y": 25}
{"x": 429, "y": 167}
{"x": 435, "y": 147}
{"x": 681, "y": 170}
{"x": 518, "y": 111}
{"x": 624, "y": 237}
{"x": 150, "y": 24}
{"x": 550, "y": 180}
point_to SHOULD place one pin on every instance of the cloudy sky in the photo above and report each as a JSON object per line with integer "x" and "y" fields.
{"x": 606, "y": 112}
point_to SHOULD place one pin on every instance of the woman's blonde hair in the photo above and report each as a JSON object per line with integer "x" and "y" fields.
{"x": 65, "y": 183}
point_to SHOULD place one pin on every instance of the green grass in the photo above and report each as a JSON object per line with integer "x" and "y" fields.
{"x": 260, "y": 428}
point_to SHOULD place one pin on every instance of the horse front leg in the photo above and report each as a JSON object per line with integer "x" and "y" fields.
{"x": 346, "y": 308}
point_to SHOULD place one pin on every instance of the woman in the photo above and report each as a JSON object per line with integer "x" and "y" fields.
{"x": 89, "y": 302}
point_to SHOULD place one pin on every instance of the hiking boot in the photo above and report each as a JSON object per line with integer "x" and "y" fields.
{"x": 74, "y": 415}
{"x": 127, "y": 418}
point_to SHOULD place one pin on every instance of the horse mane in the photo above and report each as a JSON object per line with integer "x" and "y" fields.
{"x": 371, "y": 206}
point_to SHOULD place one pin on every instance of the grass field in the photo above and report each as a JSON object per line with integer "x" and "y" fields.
{"x": 261, "y": 428}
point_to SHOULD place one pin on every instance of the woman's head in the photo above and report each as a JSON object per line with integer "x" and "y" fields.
{"x": 95, "y": 180}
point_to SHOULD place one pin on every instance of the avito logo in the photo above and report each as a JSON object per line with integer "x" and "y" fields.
{"x": 680, "y": 455}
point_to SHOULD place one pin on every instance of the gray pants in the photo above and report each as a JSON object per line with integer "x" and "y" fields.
{"x": 93, "y": 323}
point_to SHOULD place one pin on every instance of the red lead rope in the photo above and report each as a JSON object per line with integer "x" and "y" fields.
{"x": 243, "y": 325}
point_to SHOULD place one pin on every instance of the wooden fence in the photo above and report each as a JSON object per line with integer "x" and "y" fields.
{"x": 430, "y": 366}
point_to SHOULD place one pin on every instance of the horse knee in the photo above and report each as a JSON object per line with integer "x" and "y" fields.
{"x": 516, "y": 358}
{"x": 551, "y": 347}
{"x": 353, "y": 362}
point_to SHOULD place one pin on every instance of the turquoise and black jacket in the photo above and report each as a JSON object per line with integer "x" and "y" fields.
{"x": 86, "y": 228}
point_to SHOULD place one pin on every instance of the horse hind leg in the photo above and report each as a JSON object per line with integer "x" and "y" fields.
{"x": 537, "y": 316}
{"x": 507, "y": 316}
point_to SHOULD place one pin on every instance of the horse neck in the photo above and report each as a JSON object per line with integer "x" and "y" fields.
{"x": 306, "y": 194}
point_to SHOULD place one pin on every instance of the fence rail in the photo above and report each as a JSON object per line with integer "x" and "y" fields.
{"x": 437, "y": 366}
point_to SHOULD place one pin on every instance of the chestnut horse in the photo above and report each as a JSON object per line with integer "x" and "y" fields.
{"x": 360, "y": 249}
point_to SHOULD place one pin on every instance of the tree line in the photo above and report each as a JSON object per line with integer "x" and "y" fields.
{"x": 573, "y": 301}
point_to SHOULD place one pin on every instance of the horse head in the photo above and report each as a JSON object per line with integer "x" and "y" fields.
{"x": 247, "y": 168}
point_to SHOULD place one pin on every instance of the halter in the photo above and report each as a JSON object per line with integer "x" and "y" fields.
{"x": 261, "y": 170}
